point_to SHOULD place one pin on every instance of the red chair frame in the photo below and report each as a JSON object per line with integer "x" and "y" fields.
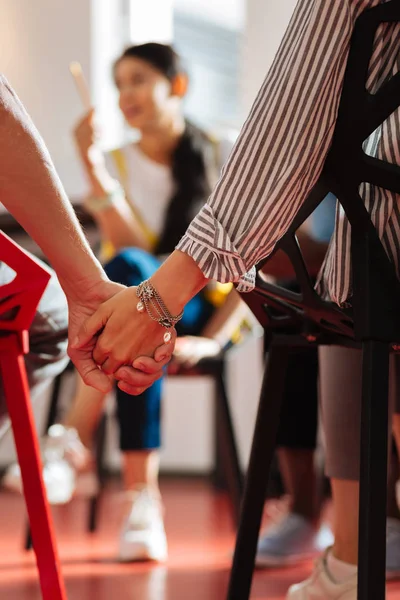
{"x": 21, "y": 296}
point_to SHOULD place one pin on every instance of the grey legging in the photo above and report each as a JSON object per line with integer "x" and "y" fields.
{"x": 340, "y": 393}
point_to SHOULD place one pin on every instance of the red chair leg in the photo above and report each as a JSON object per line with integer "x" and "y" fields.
{"x": 18, "y": 402}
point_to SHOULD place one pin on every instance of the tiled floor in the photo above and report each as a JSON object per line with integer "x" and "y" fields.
{"x": 200, "y": 537}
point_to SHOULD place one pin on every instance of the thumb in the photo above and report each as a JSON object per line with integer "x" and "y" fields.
{"x": 90, "y": 115}
{"x": 98, "y": 380}
{"x": 92, "y": 326}
{"x": 90, "y": 372}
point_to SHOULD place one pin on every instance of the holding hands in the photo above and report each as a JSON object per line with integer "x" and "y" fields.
{"x": 117, "y": 334}
{"x": 117, "y": 341}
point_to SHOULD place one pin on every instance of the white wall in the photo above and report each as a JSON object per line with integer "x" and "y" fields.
{"x": 189, "y": 404}
{"x": 265, "y": 23}
{"x": 109, "y": 36}
{"x": 151, "y": 21}
{"x": 38, "y": 40}
{"x": 229, "y": 13}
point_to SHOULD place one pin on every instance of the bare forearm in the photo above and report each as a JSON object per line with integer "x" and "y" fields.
{"x": 31, "y": 190}
{"x": 117, "y": 222}
{"x": 119, "y": 226}
{"x": 178, "y": 280}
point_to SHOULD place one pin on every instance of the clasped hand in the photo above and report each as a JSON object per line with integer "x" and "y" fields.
{"x": 115, "y": 341}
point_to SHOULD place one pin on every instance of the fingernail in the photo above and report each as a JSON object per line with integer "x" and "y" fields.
{"x": 139, "y": 365}
{"x": 161, "y": 358}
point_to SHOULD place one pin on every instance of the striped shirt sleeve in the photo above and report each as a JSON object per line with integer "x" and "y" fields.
{"x": 334, "y": 281}
{"x": 282, "y": 147}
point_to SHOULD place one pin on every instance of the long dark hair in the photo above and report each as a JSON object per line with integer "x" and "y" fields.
{"x": 191, "y": 158}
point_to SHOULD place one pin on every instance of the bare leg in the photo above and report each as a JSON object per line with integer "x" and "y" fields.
{"x": 345, "y": 501}
{"x": 301, "y": 481}
{"x": 393, "y": 477}
{"x": 85, "y": 412}
{"x": 396, "y": 430}
{"x": 140, "y": 469}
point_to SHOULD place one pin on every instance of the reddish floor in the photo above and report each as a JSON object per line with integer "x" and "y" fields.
{"x": 200, "y": 537}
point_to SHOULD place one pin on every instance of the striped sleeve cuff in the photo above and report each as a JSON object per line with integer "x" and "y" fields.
{"x": 208, "y": 243}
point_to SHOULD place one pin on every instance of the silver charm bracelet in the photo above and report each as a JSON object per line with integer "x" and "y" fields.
{"x": 151, "y": 302}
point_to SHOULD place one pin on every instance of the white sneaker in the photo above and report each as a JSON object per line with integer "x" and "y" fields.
{"x": 291, "y": 540}
{"x": 143, "y": 535}
{"x": 320, "y": 585}
{"x": 64, "y": 456}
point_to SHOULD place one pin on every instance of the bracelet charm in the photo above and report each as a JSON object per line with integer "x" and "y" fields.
{"x": 151, "y": 302}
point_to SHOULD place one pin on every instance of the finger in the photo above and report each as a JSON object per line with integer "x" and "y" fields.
{"x": 129, "y": 389}
{"x": 90, "y": 328}
{"x": 101, "y": 351}
{"x": 110, "y": 365}
{"x": 89, "y": 371}
{"x": 149, "y": 365}
{"x": 165, "y": 349}
{"x": 136, "y": 378}
{"x": 89, "y": 117}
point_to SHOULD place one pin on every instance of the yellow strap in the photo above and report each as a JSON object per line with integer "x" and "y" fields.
{"x": 108, "y": 250}
{"x": 217, "y": 292}
{"x": 120, "y": 163}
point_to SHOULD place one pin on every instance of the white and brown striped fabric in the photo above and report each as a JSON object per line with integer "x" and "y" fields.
{"x": 282, "y": 147}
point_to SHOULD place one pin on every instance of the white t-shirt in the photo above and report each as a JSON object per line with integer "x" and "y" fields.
{"x": 150, "y": 185}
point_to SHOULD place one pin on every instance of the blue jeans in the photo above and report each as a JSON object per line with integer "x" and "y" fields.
{"x": 140, "y": 416}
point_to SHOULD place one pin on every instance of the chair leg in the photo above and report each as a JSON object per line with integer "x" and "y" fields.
{"x": 229, "y": 450}
{"x": 28, "y": 537}
{"x": 93, "y": 513}
{"x": 100, "y": 451}
{"x": 51, "y": 418}
{"x": 55, "y": 397}
{"x": 373, "y": 471}
{"x": 262, "y": 452}
{"x": 21, "y": 415}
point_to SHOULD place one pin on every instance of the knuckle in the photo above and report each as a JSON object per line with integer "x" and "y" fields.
{"x": 103, "y": 347}
{"x": 109, "y": 367}
{"x": 86, "y": 377}
{"x": 120, "y": 358}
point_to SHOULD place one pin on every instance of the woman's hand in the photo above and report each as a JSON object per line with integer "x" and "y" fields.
{"x": 86, "y": 134}
{"x": 118, "y": 334}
